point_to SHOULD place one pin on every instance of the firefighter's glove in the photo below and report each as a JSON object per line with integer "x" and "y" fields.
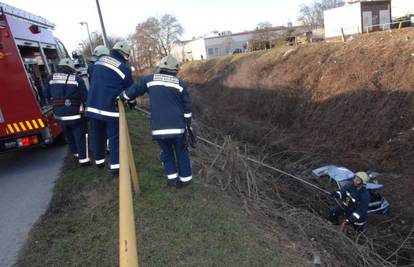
{"x": 190, "y": 137}
{"x": 188, "y": 122}
{"x": 351, "y": 220}
{"x": 122, "y": 98}
{"x": 132, "y": 104}
{"x": 336, "y": 195}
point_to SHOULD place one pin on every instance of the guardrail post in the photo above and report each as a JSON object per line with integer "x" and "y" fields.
{"x": 128, "y": 256}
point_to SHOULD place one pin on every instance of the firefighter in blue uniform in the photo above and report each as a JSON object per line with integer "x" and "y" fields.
{"x": 98, "y": 52}
{"x": 68, "y": 94}
{"x": 170, "y": 115}
{"x": 111, "y": 75}
{"x": 354, "y": 200}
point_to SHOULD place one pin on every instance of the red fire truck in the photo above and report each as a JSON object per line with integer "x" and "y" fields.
{"x": 29, "y": 53}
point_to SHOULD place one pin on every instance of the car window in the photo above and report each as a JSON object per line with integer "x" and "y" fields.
{"x": 345, "y": 183}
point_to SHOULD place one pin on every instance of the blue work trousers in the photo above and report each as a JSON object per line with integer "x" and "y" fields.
{"x": 175, "y": 155}
{"x": 100, "y": 131}
{"x": 75, "y": 135}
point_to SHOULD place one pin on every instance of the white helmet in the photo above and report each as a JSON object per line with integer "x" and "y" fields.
{"x": 100, "y": 50}
{"x": 363, "y": 176}
{"x": 123, "y": 47}
{"x": 169, "y": 63}
{"x": 67, "y": 62}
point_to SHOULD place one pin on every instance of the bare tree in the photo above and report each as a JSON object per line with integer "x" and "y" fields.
{"x": 263, "y": 36}
{"x": 170, "y": 31}
{"x": 312, "y": 14}
{"x": 96, "y": 39}
{"x": 264, "y": 25}
{"x": 145, "y": 44}
{"x": 153, "y": 39}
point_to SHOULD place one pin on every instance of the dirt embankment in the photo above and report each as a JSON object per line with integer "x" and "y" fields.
{"x": 355, "y": 97}
{"x": 353, "y": 100}
{"x": 350, "y": 104}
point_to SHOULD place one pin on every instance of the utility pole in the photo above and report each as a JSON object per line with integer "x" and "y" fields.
{"x": 105, "y": 38}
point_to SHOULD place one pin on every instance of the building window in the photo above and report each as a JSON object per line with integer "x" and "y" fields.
{"x": 216, "y": 51}
{"x": 210, "y": 51}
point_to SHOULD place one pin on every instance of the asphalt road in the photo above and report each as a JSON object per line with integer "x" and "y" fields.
{"x": 26, "y": 182}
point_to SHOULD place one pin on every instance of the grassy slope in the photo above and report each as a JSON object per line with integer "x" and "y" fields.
{"x": 195, "y": 226}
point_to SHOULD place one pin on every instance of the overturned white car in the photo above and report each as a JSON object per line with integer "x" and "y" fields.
{"x": 342, "y": 177}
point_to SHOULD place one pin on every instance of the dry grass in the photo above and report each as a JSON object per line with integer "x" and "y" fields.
{"x": 273, "y": 200}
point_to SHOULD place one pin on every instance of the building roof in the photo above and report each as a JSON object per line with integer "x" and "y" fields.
{"x": 273, "y": 29}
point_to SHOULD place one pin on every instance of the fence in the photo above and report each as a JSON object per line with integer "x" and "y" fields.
{"x": 386, "y": 26}
{"x": 356, "y": 30}
{"x": 128, "y": 256}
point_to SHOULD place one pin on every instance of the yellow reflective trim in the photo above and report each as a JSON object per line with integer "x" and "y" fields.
{"x": 7, "y": 131}
{"x": 22, "y": 126}
{"x": 29, "y": 125}
{"x": 16, "y": 127}
{"x": 35, "y": 124}
{"x": 10, "y": 128}
{"x": 41, "y": 123}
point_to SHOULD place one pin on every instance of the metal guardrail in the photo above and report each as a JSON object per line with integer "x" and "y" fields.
{"x": 128, "y": 255}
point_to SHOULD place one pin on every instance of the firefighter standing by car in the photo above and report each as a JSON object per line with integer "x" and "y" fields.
{"x": 353, "y": 203}
{"x": 111, "y": 75}
{"x": 68, "y": 94}
{"x": 170, "y": 117}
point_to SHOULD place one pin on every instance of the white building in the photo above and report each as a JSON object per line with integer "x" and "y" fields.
{"x": 194, "y": 49}
{"x": 358, "y": 17}
{"x": 218, "y": 44}
{"x": 402, "y": 8}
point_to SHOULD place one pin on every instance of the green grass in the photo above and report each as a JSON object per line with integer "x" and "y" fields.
{"x": 195, "y": 226}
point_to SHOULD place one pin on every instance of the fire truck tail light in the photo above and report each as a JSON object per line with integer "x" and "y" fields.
{"x": 27, "y": 141}
{"x": 34, "y": 140}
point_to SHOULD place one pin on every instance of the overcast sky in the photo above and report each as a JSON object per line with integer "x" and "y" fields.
{"x": 198, "y": 17}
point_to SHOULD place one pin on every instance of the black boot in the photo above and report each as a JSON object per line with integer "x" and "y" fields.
{"x": 85, "y": 164}
{"x": 181, "y": 184}
{"x": 100, "y": 166}
{"x": 172, "y": 182}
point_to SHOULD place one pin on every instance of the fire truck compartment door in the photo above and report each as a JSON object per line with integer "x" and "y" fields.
{"x": 21, "y": 30}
